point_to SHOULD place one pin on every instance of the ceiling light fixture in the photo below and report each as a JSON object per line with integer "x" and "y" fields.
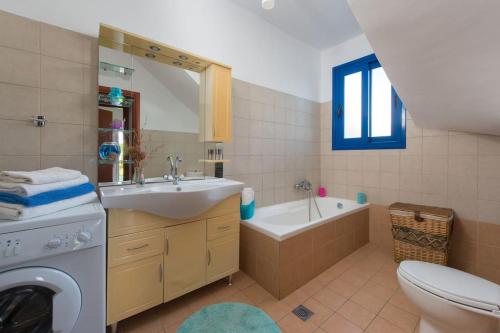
{"x": 268, "y": 4}
{"x": 150, "y": 55}
{"x": 154, "y": 48}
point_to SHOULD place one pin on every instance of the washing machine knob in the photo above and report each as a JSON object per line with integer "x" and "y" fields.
{"x": 54, "y": 243}
{"x": 84, "y": 236}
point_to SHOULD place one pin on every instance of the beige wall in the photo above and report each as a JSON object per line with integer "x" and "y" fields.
{"x": 275, "y": 143}
{"x": 50, "y": 71}
{"x": 440, "y": 168}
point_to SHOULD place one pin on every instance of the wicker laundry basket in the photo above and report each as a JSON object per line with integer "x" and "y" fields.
{"x": 421, "y": 232}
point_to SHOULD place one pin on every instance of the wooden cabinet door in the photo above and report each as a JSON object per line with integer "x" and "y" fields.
{"x": 134, "y": 287}
{"x": 185, "y": 258}
{"x": 221, "y": 104}
{"x": 223, "y": 257}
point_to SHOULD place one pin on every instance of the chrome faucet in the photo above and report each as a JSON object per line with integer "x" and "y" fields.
{"x": 174, "y": 165}
{"x": 306, "y": 185}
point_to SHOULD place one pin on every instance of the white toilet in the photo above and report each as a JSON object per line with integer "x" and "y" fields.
{"x": 450, "y": 301}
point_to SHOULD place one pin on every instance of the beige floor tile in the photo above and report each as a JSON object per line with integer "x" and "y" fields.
{"x": 242, "y": 281}
{"x": 339, "y": 324}
{"x": 356, "y": 314}
{"x": 237, "y": 297}
{"x": 357, "y": 276}
{"x": 400, "y": 300}
{"x": 256, "y": 294}
{"x": 292, "y": 324}
{"x": 296, "y": 298}
{"x": 386, "y": 279}
{"x": 312, "y": 287}
{"x": 380, "y": 325}
{"x": 343, "y": 287}
{"x": 330, "y": 298}
{"x": 275, "y": 309}
{"x": 403, "y": 319}
{"x": 321, "y": 312}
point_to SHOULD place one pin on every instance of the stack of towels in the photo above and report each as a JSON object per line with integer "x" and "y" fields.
{"x": 28, "y": 194}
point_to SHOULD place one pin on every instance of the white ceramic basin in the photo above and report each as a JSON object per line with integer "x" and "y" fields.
{"x": 183, "y": 201}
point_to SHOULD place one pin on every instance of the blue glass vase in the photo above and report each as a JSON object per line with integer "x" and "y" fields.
{"x": 109, "y": 151}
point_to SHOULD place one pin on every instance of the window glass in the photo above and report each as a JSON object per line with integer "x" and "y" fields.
{"x": 381, "y": 99}
{"x": 352, "y": 105}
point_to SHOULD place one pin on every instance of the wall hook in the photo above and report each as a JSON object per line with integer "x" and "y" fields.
{"x": 39, "y": 120}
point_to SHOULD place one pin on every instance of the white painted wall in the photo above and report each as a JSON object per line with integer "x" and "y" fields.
{"x": 259, "y": 52}
{"x": 161, "y": 108}
{"x": 351, "y": 49}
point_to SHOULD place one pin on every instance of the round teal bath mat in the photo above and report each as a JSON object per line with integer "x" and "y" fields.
{"x": 229, "y": 318}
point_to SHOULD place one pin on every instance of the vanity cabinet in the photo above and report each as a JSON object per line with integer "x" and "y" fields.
{"x": 216, "y": 105}
{"x": 152, "y": 260}
{"x": 185, "y": 253}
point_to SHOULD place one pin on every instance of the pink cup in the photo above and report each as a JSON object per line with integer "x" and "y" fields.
{"x": 322, "y": 192}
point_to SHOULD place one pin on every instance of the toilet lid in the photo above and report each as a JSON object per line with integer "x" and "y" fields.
{"x": 452, "y": 284}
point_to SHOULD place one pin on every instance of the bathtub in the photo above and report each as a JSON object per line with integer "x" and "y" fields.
{"x": 288, "y": 219}
{"x": 282, "y": 250}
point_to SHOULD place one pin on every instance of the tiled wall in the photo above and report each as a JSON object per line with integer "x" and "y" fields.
{"x": 276, "y": 142}
{"x": 440, "y": 168}
{"x": 50, "y": 71}
{"x": 159, "y": 144}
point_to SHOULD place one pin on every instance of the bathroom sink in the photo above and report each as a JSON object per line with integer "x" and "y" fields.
{"x": 182, "y": 201}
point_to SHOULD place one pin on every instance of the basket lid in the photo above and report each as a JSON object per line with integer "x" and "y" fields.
{"x": 408, "y": 209}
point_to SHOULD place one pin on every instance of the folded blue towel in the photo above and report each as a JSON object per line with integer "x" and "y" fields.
{"x": 48, "y": 197}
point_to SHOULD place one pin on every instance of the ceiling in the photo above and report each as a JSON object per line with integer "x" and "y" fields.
{"x": 442, "y": 58}
{"x": 318, "y": 23}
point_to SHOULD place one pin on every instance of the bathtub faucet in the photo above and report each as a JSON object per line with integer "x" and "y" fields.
{"x": 306, "y": 185}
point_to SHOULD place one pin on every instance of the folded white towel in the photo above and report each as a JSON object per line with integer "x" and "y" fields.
{"x": 46, "y": 176}
{"x": 20, "y": 212}
{"x": 28, "y": 190}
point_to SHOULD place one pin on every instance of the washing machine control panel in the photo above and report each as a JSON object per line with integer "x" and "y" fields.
{"x": 37, "y": 243}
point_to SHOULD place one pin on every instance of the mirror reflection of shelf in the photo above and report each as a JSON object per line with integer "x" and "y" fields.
{"x": 115, "y": 162}
{"x": 104, "y": 100}
{"x": 214, "y": 161}
{"x": 114, "y": 130}
{"x": 125, "y": 71}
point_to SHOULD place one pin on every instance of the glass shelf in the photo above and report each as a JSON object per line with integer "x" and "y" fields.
{"x": 105, "y": 101}
{"x": 114, "y": 130}
{"x": 106, "y": 162}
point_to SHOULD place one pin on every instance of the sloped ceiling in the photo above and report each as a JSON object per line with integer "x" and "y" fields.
{"x": 442, "y": 57}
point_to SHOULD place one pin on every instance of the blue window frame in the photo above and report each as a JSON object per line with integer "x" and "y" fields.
{"x": 366, "y": 111}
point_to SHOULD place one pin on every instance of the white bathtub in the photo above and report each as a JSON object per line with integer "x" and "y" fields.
{"x": 285, "y": 220}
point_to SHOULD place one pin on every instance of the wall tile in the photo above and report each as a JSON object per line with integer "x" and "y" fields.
{"x": 19, "y": 32}
{"x": 61, "y": 43}
{"x": 19, "y": 138}
{"x": 62, "y": 139}
{"x": 19, "y": 102}
{"x": 26, "y": 163}
{"x": 62, "y": 75}
{"x": 63, "y": 107}
{"x": 19, "y": 67}
{"x": 463, "y": 144}
{"x": 65, "y": 161}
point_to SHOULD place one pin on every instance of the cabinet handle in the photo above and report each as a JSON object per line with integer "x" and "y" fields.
{"x": 167, "y": 247}
{"x": 161, "y": 272}
{"x": 209, "y": 257}
{"x": 137, "y": 247}
{"x": 223, "y": 227}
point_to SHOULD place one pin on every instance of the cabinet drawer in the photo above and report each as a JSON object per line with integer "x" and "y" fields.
{"x": 222, "y": 226}
{"x": 133, "y": 247}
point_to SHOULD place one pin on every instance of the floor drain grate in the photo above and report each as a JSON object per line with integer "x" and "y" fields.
{"x": 302, "y": 312}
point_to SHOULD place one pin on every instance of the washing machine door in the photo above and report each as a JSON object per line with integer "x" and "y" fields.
{"x": 38, "y": 300}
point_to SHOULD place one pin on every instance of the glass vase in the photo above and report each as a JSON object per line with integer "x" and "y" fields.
{"x": 138, "y": 177}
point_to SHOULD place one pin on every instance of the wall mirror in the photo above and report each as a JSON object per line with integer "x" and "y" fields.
{"x": 152, "y": 104}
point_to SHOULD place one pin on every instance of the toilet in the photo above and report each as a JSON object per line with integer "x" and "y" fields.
{"x": 450, "y": 301}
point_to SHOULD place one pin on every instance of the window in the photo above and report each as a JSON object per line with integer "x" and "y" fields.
{"x": 367, "y": 112}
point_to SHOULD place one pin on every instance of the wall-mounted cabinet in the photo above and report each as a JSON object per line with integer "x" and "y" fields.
{"x": 152, "y": 260}
{"x": 215, "y": 104}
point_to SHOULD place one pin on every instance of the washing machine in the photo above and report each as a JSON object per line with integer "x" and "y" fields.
{"x": 52, "y": 272}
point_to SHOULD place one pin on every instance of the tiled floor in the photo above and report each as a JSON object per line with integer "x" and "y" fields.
{"x": 358, "y": 294}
